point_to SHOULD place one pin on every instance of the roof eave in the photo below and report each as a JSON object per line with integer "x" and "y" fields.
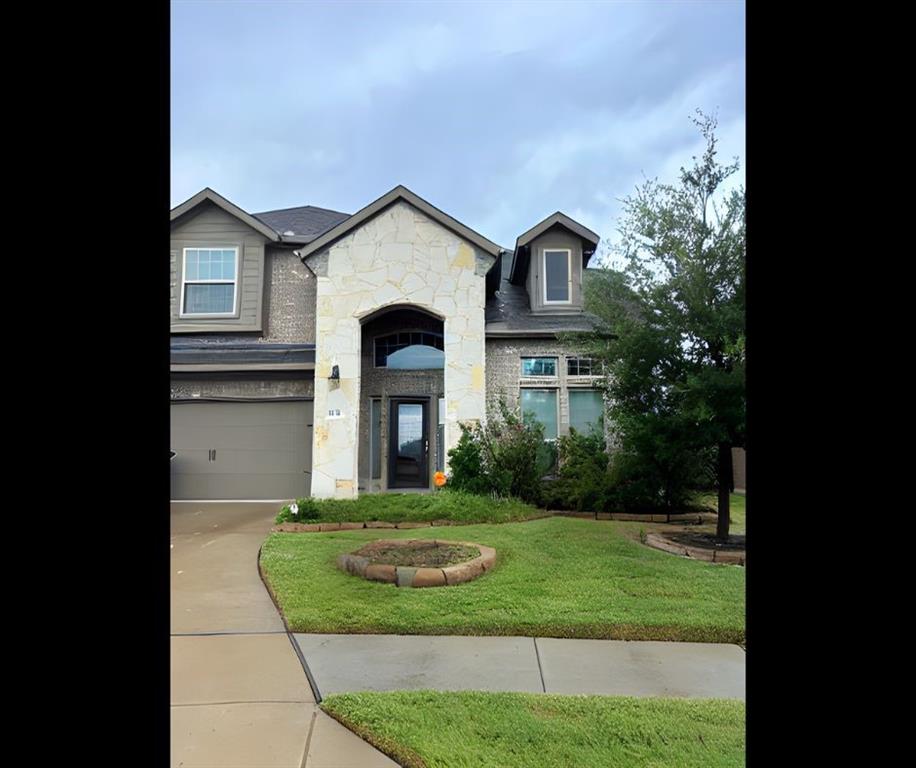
{"x": 207, "y": 194}
{"x": 376, "y": 207}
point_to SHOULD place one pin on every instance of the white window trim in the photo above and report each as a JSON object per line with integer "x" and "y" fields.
{"x": 185, "y": 281}
{"x": 569, "y": 280}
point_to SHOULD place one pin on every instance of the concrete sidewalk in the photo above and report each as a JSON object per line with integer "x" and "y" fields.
{"x": 341, "y": 663}
{"x": 239, "y": 693}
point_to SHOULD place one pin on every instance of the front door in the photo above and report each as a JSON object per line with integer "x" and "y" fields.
{"x": 408, "y": 449}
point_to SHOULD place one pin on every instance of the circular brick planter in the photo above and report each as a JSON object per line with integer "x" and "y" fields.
{"x": 731, "y": 557}
{"x": 409, "y": 576}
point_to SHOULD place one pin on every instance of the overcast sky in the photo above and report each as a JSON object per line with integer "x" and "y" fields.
{"x": 498, "y": 113}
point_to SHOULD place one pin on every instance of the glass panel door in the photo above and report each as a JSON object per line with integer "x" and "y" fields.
{"x": 407, "y": 455}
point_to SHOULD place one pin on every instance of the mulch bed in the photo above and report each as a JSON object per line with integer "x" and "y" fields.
{"x": 417, "y": 554}
{"x": 709, "y": 541}
{"x": 699, "y": 546}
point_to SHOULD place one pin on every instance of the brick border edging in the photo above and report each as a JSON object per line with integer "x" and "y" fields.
{"x": 409, "y": 576}
{"x": 687, "y": 517}
{"x": 733, "y": 557}
{"x": 321, "y": 527}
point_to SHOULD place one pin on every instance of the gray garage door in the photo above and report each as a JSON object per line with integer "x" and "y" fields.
{"x": 241, "y": 450}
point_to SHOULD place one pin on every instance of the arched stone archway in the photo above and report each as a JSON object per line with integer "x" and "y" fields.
{"x": 399, "y": 259}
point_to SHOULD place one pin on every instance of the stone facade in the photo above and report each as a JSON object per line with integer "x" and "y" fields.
{"x": 398, "y": 258}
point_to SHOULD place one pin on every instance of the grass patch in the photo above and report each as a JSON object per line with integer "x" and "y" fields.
{"x": 736, "y": 511}
{"x": 425, "y": 729}
{"x": 455, "y": 506}
{"x": 554, "y": 577}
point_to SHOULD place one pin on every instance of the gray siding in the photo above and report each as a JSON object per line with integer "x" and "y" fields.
{"x": 209, "y": 225}
{"x": 554, "y": 238}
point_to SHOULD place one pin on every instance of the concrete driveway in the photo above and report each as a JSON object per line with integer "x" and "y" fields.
{"x": 239, "y": 694}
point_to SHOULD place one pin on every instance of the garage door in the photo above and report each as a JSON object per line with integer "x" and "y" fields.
{"x": 241, "y": 450}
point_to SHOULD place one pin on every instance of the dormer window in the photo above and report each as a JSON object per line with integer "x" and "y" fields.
{"x": 209, "y": 282}
{"x": 557, "y": 276}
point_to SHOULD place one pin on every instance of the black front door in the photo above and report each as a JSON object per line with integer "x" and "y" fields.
{"x": 408, "y": 448}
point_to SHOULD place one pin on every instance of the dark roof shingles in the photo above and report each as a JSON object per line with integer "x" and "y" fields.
{"x": 509, "y": 310}
{"x": 307, "y": 221}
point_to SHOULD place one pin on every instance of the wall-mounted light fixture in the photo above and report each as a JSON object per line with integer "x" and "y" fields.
{"x": 335, "y": 374}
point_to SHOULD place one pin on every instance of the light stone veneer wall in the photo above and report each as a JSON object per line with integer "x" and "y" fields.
{"x": 400, "y": 257}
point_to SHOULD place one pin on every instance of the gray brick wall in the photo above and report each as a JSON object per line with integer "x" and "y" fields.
{"x": 184, "y": 387}
{"x": 289, "y": 298}
{"x": 385, "y": 383}
{"x": 503, "y": 374}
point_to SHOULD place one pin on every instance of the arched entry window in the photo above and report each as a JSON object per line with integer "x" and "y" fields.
{"x": 410, "y": 351}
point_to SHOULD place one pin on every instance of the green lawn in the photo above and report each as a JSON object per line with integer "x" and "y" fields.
{"x": 737, "y": 512}
{"x": 554, "y": 577}
{"x": 423, "y": 729}
{"x": 424, "y": 507}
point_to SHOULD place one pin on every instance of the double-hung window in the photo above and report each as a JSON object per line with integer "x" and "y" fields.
{"x": 209, "y": 281}
{"x": 557, "y": 276}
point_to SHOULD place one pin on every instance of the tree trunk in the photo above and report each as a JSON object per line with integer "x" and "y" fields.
{"x": 724, "y": 481}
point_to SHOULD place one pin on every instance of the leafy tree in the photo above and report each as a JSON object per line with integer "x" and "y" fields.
{"x": 676, "y": 366}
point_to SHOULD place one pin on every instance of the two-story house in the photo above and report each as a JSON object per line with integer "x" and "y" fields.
{"x": 317, "y": 352}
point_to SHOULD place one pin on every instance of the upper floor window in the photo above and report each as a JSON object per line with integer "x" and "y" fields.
{"x": 581, "y": 366}
{"x": 558, "y": 276}
{"x": 209, "y": 281}
{"x": 410, "y": 350}
{"x": 539, "y": 366}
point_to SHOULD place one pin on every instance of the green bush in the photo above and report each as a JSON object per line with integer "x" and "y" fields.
{"x": 506, "y": 458}
{"x": 306, "y": 510}
{"x": 515, "y": 455}
{"x": 583, "y": 482}
{"x": 466, "y": 464}
{"x": 656, "y": 467}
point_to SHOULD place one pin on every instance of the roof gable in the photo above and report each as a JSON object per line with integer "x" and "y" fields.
{"x": 208, "y": 195}
{"x": 372, "y": 210}
{"x": 558, "y": 219}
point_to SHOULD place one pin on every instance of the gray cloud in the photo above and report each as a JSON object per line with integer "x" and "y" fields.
{"x": 497, "y": 113}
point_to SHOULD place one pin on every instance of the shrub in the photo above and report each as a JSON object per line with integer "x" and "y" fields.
{"x": 515, "y": 455}
{"x": 583, "y": 481}
{"x": 507, "y": 457}
{"x": 656, "y": 468}
{"x": 306, "y": 509}
{"x": 466, "y": 465}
